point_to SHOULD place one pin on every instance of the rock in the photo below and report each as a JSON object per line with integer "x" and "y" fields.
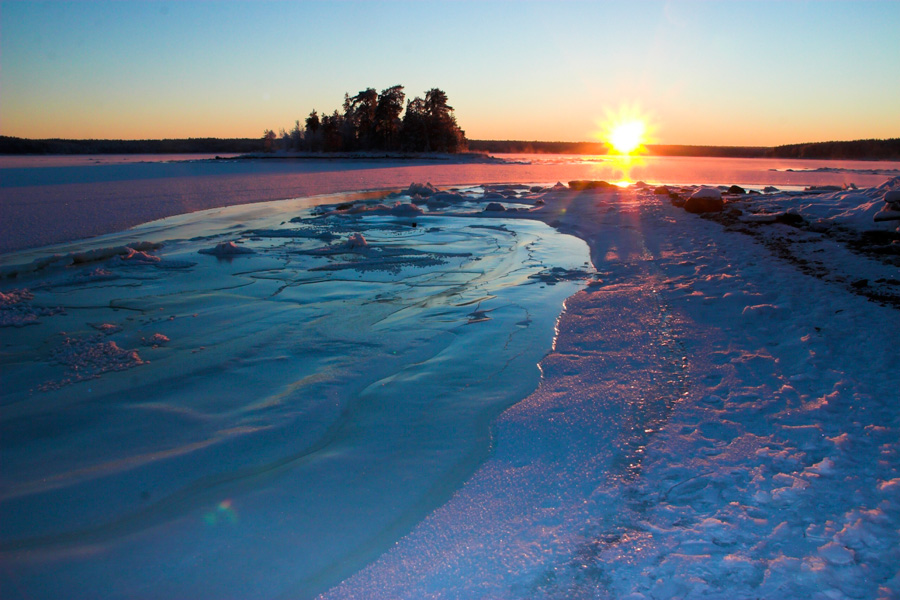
{"x": 661, "y": 191}
{"x": 582, "y": 184}
{"x": 736, "y": 189}
{"x": 770, "y": 189}
{"x": 892, "y": 197}
{"x": 705, "y": 200}
{"x": 791, "y": 218}
{"x": 494, "y": 207}
{"x": 448, "y": 197}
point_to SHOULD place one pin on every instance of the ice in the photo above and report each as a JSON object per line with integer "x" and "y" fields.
{"x": 229, "y": 248}
{"x": 54, "y": 200}
{"x": 717, "y": 416}
{"x": 319, "y": 395}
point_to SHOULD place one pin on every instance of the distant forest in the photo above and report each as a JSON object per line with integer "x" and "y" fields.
{"x": 340, "y": 139}
{"x": 14, "y": 145}
{"x": 858, "y": 149}
{"x": 522, "y": 147}
{"x": 370, "y": 121}
{"x": 854, "y": 150}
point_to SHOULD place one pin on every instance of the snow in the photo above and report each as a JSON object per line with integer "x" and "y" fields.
{"x": 717, "y": 414}
{"x": 707, "y": 193}
{"x": 712, "y": 423}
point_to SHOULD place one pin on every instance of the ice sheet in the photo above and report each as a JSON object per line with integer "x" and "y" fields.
{"x": 175, "y": 421}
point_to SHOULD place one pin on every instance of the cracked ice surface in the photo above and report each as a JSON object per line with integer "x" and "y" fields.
{"x": 258, "y": 420}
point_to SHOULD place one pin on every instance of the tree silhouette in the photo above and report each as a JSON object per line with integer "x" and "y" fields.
{"x": 359, "y": 112}
{"x": 269, "y": 138}
{"x": 387, "y": 118}
{"x": 373, "y": 121}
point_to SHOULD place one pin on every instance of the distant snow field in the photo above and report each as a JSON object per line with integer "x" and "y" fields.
{"x": 344, "y": 400}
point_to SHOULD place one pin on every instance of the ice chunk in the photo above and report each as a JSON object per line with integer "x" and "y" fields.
{"x": 357, "y": 240}
{"x": 420, "y": 189}
{"x": 226, "y": 249}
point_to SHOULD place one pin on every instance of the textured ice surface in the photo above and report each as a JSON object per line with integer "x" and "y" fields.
{"x": 716, "y": 421}
{"x": 258, "y": 420}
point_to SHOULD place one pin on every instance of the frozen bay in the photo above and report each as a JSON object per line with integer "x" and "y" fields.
{"x": 180, "y": 419}
{"x": 717, "y": 417}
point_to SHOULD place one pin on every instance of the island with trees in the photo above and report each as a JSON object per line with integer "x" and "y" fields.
{"x": 376, "y": 122}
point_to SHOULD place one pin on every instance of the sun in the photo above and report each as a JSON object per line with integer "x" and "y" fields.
{"x": 626, "y": 137}
{"x": 625, "y": 131}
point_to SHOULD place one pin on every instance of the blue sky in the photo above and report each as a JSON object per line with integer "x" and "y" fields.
{"x": 722, "y": 72}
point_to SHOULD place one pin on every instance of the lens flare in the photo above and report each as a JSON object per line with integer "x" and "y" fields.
{"x": 223, "y": 512}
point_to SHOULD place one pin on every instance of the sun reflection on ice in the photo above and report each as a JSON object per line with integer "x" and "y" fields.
{"x": 625, "y": 132}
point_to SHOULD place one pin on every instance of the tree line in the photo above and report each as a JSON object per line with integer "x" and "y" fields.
{"x": 16, "y": 145}
{"x": 600, "y": 148}
{"x": 888, "y": 149}
{"x": 372, "y": 121}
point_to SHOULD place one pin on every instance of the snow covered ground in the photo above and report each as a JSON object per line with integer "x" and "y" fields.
{"x": 718, "y": 416}
{"x": 714, "y": 422}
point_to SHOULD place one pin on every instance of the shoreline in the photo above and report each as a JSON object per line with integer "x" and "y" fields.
{"x": 688, "y": 433}
{"x": 41, "y": 206}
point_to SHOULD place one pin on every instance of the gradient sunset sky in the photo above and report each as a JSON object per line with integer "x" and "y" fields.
{"x": 725, "y": 73}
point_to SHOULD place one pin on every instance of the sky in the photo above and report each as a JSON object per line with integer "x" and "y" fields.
{"x": 713, "y": 72}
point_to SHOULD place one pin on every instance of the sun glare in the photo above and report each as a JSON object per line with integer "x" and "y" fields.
{"x": 626, "y": 131}
{"x": 627, "y": 137}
